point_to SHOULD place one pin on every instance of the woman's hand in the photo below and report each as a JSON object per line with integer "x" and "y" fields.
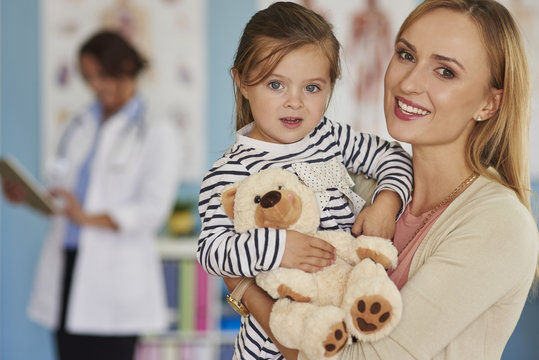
{"x": 13, "y": 191}
{"x": 306, "y": 253}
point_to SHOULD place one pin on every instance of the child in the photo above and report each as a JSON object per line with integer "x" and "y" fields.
{"x": 284, "y": 73}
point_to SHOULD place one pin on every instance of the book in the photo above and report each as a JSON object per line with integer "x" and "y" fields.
{"x": 186, "y": 296}
{"x": 201, "y": 298}
{"x": 36, "y": 196}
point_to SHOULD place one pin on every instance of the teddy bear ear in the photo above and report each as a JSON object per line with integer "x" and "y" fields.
{"x": 227, "y": 199}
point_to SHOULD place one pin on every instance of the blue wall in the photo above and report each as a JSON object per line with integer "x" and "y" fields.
{"x": 21, "y": 230}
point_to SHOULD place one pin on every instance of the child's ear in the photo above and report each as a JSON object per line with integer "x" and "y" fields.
{"x": 227, "y": 199}
{"x": 239, "y": 84}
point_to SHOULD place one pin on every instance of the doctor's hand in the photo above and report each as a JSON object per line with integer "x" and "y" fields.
{"x": 74, "y": 211}
{"x": 70, "y": 205}
{"x": 14, "y": 192}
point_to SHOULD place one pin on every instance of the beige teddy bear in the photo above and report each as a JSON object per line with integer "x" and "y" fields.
{"x": 317, "y": 312}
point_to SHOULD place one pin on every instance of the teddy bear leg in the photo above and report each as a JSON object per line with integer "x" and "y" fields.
{"x": 293, "y": 284}
{"x": 317, "y": 331}
{"x": 372, "y": 302}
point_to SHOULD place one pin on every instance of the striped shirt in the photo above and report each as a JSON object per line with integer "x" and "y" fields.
{"x": 225, "y": 253}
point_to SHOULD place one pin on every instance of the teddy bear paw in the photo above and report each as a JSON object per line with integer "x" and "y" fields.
{"x": 372, "y": 302}
{"x": 285, "y": 292}
{"x": 325, "y": 333}
{"x": 379, "y": 250}
{"x": 336, "y": 340}
{"x": 285, "y": 283}
{"x": 371, "y": 313}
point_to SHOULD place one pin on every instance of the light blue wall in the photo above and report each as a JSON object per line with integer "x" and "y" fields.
{"x": 21, "y": 231}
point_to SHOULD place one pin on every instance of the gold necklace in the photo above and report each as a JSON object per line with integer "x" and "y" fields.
{"x": 462, "y": 186}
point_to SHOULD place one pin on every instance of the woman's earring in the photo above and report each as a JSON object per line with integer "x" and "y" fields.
{"x": 479, "y": 119}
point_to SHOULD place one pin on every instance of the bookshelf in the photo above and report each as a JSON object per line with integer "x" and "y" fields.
{"x": 202, "y": 325}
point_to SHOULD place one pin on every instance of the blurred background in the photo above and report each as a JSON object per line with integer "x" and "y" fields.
{"x": 190, "y": 45}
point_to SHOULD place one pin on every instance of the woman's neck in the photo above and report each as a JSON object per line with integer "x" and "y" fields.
{"x": 436, "y": 175}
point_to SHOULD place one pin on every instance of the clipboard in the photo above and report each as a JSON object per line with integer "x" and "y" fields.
{"x": 37, "y": 197}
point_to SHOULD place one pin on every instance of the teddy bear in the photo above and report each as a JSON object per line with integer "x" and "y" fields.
{"x": 318, "y": 313}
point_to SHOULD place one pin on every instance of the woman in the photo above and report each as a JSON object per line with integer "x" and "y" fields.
{"x": 99, "y": 281}
{"x": 457, "y": 89}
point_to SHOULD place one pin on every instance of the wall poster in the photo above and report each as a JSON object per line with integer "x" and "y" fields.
{"x": 171, "y": 34}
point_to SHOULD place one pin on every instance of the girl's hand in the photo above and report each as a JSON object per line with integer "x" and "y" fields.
{"x": 378, "y": 219}
{"x": 71, "y": 206}
{"x": 306, "y": 253}
{"x": 13, "y": 191}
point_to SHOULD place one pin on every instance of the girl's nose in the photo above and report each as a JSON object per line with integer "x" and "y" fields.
{"x": 294, "y": 100}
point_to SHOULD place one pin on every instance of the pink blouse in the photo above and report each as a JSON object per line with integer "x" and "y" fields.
{"x": 406, "y": 227}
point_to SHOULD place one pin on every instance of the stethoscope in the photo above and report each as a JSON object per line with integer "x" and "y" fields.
{"x": 129, "y": 140}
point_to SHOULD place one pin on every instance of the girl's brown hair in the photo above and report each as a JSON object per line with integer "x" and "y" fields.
{"x": 271, "y": 34}
{"x": 501, "y": 142}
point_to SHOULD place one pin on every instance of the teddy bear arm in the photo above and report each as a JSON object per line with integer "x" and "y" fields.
{"x": 288, "y": 283}
{"x": 344, "y": 243}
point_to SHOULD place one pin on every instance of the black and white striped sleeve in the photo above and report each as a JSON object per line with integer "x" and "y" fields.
{"x": 385, "y": 161}
{"x": 221, "y": 250}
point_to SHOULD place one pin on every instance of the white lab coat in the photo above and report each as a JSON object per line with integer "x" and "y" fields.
{"x": 117, "y": 286}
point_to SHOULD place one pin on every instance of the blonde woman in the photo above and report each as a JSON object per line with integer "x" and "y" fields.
{"x": 457, "y": 89}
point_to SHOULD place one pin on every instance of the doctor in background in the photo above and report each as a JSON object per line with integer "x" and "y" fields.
{"x": 99, "y": 282}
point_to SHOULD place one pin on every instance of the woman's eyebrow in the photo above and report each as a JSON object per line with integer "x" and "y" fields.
{"x": 434, "y": 56}
{"x": 449, "y": 59}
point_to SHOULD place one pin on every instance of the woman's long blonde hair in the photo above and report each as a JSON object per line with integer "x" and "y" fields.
{"x": 501, "y": 142}
{"x": 271, "y": 34}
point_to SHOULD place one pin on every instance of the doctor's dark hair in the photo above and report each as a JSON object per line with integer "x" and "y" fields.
{"x": 116, "y": 56}
{"x": 270, "y": 35}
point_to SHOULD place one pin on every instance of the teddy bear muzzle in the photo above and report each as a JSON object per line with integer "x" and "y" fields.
{"x": 278, "y": 209}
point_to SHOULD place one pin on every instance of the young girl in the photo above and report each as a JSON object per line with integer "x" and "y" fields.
{"x": 284, "y": 72}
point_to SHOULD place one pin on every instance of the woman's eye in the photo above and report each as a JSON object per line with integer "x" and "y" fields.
{"x": 446, "y": 73}
{"x": 405, "y": 55}
{"x": 312, "y": 88}
{"x": 275, "y": 85}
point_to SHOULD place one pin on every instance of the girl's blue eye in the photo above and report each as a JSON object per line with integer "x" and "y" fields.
{"x": 312, "y": 88}
{"x": 275, "y": 85}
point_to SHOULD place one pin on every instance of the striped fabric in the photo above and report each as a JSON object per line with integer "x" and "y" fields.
{"x": 225, "y": 253}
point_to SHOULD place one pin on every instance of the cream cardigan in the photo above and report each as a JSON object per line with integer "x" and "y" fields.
{"x": 468, "y": 281}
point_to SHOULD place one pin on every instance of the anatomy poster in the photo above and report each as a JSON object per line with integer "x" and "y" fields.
{"x": 171, "y": 34}
{"x": 526, "y": 13}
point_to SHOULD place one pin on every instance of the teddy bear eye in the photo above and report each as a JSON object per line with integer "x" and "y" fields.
{"x": 257, "y": 199}
{"x": 280, "y": 187}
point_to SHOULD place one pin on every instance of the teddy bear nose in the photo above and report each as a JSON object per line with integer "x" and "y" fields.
{"x": 270, "y": 199}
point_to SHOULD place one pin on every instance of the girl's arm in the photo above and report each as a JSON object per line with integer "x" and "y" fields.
{"x": 385, "y": 161}
{"x": 224, "y": 252}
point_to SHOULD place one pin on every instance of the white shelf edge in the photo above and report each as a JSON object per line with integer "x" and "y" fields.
{"x": 170, "y": 248}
